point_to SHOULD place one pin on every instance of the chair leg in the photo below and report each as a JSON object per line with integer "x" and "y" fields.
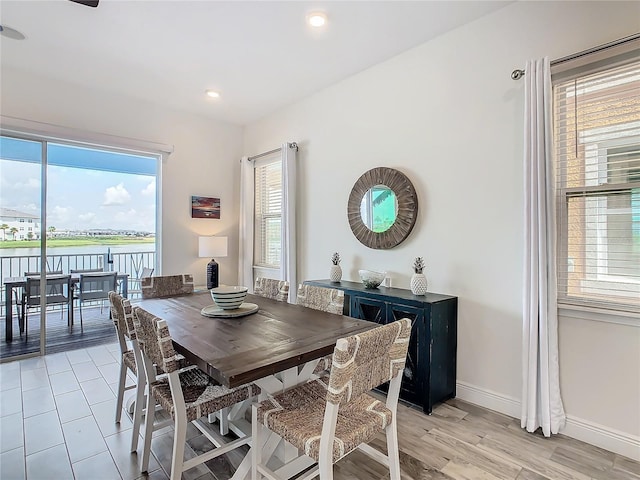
{"x": 179, "y": 439}
{"x": 392, "y": 450}
{"x": 137, "y": 412}
{"x": 81, "y": 328}
{"x": 148, "y": 429}
{"x": 256, "y": 445}
{"x": 122, "y": 380}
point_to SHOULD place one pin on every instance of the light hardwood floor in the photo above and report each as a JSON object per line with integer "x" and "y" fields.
{"x": 56, "y": 422}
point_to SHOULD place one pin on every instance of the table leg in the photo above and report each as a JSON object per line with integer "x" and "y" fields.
{"x": 8, "y": 314}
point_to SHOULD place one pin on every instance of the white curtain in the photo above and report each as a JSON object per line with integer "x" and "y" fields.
{"x": 541, "y": 402}
{"x": 247, "y": 191}
{"x": 288, "y": 263}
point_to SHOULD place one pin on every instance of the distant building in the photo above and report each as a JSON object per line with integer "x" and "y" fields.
{"x": 23, "y": 222}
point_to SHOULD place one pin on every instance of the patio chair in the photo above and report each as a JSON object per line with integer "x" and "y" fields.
{"x": 85, "y": 270}
{"x": 186, "y": 394}
{"x": 270, "y": 288}
{"x": 18, "y": 293}
{"x": 94, "y": 287}
{"x": 167, "y": 286}
{"x": 328, "y": 418}
{"x": 136, "y": 283}
{"x": 58, "y": 292}
{"x": 329, "y": 300}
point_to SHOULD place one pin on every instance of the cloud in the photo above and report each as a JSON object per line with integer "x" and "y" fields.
{"x": 88, "y": 217}
{"x": 29, "y": 183}
{"x": 150, "y": 189}
{"x": 117, "y": 195}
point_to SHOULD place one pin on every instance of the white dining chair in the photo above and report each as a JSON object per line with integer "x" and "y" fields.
{"x": 187, "y": 394}
{"x": 330, "y": 417}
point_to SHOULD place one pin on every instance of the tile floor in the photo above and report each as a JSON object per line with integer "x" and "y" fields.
{"x": 57, "y": 422}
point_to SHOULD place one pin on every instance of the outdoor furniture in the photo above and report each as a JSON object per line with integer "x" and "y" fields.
{"x": 18, "y": 292}
{"x": 57, "y": 292}
{"x": 85, "y": 270}
{"x": 12, "y": 284}
{"x": 94, "y": 287}
{"x": 167, "y": 286}
{"x": 271, "y": 288}
{"x": 329, "y": 418}
{"x": 136, "y": 283}
{"x": 186, "y": 394}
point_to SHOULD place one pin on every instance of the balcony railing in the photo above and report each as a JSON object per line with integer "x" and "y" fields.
{"x": 122, "y": 262}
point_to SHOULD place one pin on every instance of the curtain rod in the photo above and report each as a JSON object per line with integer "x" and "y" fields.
{"x": 517, "y": 74}
{"x": 275, "y": 150}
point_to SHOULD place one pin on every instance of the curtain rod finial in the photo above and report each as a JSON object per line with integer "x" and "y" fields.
{"x": 517, "y": 74}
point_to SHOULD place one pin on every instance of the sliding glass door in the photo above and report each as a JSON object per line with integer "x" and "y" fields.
{"x": 68, "y": 208}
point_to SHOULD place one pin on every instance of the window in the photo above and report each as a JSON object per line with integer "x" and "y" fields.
{"x": 268, "y": 214}
{"x": 597, "y": 142}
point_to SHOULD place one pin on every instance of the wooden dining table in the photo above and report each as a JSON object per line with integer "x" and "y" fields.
{"x": 235, "y": 351}
{"x": 276, "y": 347}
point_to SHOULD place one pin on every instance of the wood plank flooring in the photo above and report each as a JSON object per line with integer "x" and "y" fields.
{"x": 56, "y": 415}
{"x": 98, "y": 330}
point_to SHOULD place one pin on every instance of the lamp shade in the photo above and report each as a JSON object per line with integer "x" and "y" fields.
{"x": 212, "y": 246}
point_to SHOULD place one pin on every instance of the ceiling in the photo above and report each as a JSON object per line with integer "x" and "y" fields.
{"x": 259, "y": 55}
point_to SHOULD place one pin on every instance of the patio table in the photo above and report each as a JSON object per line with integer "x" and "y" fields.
{"x": 20, "y": 282}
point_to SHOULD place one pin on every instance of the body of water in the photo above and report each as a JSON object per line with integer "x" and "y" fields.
{"x": 80, "y": 250}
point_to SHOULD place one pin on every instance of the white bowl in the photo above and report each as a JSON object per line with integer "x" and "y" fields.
{"x": 229, "y": 298}
{"x": 370, "y": 278}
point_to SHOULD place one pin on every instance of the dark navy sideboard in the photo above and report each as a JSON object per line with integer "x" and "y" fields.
{"x": 430, "y": 372}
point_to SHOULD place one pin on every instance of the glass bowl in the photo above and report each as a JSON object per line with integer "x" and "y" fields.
{"x": 371, "y": 279}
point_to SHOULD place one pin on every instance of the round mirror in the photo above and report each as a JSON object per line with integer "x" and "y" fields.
{"x": 379, "y": 208}
{"x": 382, "y": 208}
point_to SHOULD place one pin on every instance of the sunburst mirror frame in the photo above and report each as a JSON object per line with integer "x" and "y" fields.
{"x": 407, "y": 208}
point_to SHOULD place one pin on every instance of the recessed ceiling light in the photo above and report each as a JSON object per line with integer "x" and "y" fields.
{"x": 212, "y": 93}
{"x": 9, "y": 32}
{"x": 317, "y": 19}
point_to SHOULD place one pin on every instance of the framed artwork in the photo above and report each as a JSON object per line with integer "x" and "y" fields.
{"x": 205, "y": 207}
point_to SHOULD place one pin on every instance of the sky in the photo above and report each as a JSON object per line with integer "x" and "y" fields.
{"x": 81, "y": 198}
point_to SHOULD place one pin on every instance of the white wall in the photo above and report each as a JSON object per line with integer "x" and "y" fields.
{"x": 204, "y": 161}
{"x": 449, "y": 116}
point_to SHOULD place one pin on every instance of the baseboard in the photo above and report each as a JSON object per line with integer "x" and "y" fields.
{"x": 488, "y": 399}
{"x": 601, "y": 436}
{"x": 610, "y": 439}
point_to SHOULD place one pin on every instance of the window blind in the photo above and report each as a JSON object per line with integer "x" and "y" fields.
{"x": 597, "y": 149}
{"x": 268, "y": 214}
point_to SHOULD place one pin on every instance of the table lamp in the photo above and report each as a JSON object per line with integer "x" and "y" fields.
{"x": 212, "y": 247}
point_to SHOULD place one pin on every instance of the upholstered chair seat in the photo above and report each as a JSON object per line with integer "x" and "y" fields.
{"x": 297, "y": 416}
{"x": 202, "y": 394}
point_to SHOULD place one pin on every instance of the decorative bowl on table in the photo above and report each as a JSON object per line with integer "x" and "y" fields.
{"x": 228, "y": 297}
{"x": 371, "y": 279}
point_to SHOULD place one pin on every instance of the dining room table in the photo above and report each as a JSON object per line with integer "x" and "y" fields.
{"x": 276, "y": 346}
{"x": 11, "y": 283}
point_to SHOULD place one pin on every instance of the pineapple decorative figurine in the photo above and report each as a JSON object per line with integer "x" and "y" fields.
{"x": 335, "y": 273}
{"x": 418, "y": 280}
